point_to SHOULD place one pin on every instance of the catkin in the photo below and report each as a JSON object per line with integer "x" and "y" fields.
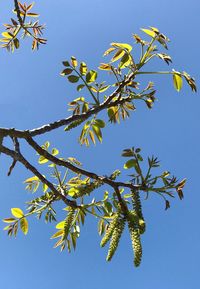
{"x": 137, "y": 206}
{"x": 74, "y": 124}
{"x": 109, "y": 231}
{"x": 135, "y": 238}
{"x": 116, "y": 235}
{"x": 87, "y": 189}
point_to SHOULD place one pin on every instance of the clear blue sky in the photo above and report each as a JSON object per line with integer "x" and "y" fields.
{"x": 33, "y": 93}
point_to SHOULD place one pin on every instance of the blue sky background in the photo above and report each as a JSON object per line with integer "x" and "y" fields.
{"x": 33, "y": 93}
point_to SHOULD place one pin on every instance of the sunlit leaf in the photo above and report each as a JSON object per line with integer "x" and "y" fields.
{"x": 129, "y": 164}
{"x": 57, "y": 234}
{"x": 91, "y": 76}
{"x": 55, "y": 152}
{"x": 100, "y": 123}
{"x": 74, "y": 61}
{"x": 7, "y": 35}
{"x": 83, "y": 68}
{"x": 177, "y": 80}
{"x": 97, "y": 132}
{"x": 104, "y": 88}
{"x": 125, "y": 61}
{"x": 24, "y": 225}
{"x": 92, "y": 136}
{"x": 125, "y": 46}
{"x": 118, "y": 55}
{"x": 149, "y": 32}
{"x": 60, "y": 225}
{"x": 108, "y": 51}
{"x": 32, "y": 179}
{"x": 42, "y": 160}
{"x": 17, "y": 212}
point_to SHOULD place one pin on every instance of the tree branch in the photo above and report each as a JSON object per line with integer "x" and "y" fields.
{"x": 18, "y": 157}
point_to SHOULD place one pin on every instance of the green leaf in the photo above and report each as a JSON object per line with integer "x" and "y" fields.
{"x": 91, "y": 76}
{"x": 7, "y": 35}
{"x": 83, "y": 68}
{"x": 16, "y": 43}
{"x": 92, "y": 136}
{"x": 178, "y": 82}
{"x": 24, "y": 225}
{"x": 129, "y": 164}
{"x": 17, "y": 212}
{"x": 60, "y": 225}
{"x": 73, "y": 78}
{"x": 57, "y": 234}
{"x": 104, "y": 88}
{"x": 74, "y": 61}
{"x": 125, "y": 46}
{"x": 118, "y": 55}
{"x": 100, "y": 123}
{"x": 42, "y": 160}
{"x": 32, "y": 179}
{"x": 149, "y": 32}
{"x": 55, "y": 152}
{"x": 109, "y": 50}
{"x": 97, "y": 132}
{"x": 45, "y": 188}
{"x": 125, "y": 61}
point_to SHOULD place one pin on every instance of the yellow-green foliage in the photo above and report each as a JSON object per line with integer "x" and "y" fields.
{"x": 68, "y": 223}
{"x": 116, "y": 235}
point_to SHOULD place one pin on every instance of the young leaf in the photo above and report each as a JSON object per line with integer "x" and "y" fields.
{"x": 24, "y": 225}
{"x": 32, "y": 179}
{"x": 74, "y": 61}
{"x": 123, "y": 46}
{"x": 17, "y": 212}
{"x": 83, "y": 68}
{"x": 97, "y": 132}
{"x": 177, "y": 80}
{"x": 9, "y": 220}
{"x": 100, "y": 123}
{"x": 91, "y": 76}
{"x": 149, "y": 32}
{"x": 129, "y": 164}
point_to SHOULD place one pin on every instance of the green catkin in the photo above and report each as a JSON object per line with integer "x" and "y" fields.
{"x": 109, "y": 231}
{"x": 68, "y": 223}
{"x": 137, "y": 207}
{"x": 74, "y": 124}
{"x": 135, "y": 237}
{"x": 88, "y": 189}
{"x": 116, "y": 235}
